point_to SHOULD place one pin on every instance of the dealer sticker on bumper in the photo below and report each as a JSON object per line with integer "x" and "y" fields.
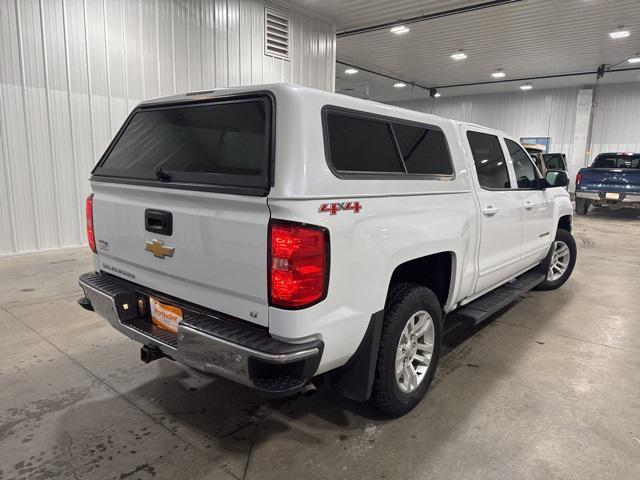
{"x": 165, "y": 316}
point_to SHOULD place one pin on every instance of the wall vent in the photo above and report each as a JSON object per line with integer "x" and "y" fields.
{"x": 276, "y": 33}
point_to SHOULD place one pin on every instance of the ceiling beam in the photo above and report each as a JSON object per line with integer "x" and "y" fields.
{"x": 425, "y": 17}
{"x": 538, "y": 77}
{"x": 390, "y": 77}
{"x": 488, "y": 82}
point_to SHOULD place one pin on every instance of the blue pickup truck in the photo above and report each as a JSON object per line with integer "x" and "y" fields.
{"x": 612, "y": 180}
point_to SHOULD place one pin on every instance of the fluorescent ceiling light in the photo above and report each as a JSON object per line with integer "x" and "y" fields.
{"x": 459, "y": 55}
{"x": 621, "y": 32}
{"x": 437, "y": 94}
{"x": 635, "y": 58}
{"x": 526, "y": 86}
{"x": 399, "y": 29}
{"x": 499, "y": 74}
{"x": 351, "y": 71}
{"x": 400, "y": 85}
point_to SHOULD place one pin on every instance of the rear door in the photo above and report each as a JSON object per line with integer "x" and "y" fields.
{"x": 500, "y": 210}
{"x": 180, "y": 203}
{"x": 537, "y": 221}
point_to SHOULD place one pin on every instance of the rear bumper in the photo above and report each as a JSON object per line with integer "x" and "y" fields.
{"x": 206, "y": 341}
{"x": 600, "y": 197}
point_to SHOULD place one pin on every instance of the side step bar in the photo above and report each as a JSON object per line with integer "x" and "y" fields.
{"x": 482, "y": 308}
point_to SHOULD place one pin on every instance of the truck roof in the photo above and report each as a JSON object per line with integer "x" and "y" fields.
{"x": 287, "y": 89}
{"x": 321, "y": 97}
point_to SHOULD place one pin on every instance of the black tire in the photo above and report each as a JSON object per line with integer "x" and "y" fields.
{"x": 582, "y": 206}
{"x": 404, "y": 300}
{"x": 567, "y": 238}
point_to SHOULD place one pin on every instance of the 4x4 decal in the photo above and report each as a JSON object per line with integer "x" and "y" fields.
{"x": 334, "y": 208}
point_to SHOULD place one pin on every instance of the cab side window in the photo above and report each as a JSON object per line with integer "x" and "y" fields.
{"x": 522, "y": 164}
{"x": 489, "y": 160}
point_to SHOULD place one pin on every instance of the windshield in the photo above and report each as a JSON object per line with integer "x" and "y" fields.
{"x": 617, "y": 160}
{"x": 224, "y": 143}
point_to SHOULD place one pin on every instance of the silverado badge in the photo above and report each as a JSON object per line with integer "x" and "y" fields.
{"x": 158, "y": 249}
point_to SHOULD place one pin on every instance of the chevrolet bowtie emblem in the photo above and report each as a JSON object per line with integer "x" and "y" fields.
{"x": 158, "y": 249}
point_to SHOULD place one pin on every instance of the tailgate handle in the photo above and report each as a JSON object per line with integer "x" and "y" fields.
{"x": 158, "y": 221}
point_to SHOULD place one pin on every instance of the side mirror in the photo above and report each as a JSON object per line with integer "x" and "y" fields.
{"x": 556, "y": 178}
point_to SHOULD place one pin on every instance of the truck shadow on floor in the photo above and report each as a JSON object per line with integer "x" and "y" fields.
{"x": 225, "y": 421}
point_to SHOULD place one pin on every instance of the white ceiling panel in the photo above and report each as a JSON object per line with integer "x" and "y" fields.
{"x": 381, "y": 89}
{"x": 351, "y": 14}
{"x": 526, "y": 38}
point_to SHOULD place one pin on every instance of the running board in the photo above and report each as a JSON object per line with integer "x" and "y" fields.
{"x": 494, "y": 301}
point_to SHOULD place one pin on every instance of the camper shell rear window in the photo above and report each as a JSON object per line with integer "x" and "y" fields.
{"x": 222, "y": 144}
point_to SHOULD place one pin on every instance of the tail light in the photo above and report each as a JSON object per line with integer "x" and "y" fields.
{"x": 90, "y": 234}
{"x": 578, "y": 178}
{"x": 298, "y": 264}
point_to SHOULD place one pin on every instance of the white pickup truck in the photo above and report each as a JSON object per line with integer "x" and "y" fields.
{"x": 277, "y": 235}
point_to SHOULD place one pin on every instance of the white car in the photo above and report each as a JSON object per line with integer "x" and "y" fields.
{"x": 278, "y": 235}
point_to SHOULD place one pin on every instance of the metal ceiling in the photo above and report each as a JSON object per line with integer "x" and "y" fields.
{"x": 527, "y": 38}
{"x": 353, "y": 14}
{"x": 381, "y": 89}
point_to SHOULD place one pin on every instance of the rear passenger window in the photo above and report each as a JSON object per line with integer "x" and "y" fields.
{"x": 489, "y": 160}
{"x": 424, "y": 150}
{"x": 361, "y": 145}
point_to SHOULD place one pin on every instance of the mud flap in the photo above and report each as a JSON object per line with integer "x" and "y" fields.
{"x": 355, "y": 379}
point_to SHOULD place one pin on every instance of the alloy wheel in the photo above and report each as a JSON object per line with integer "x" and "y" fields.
{"x": 559, "y": 260}
{"x": 415, "y": 348}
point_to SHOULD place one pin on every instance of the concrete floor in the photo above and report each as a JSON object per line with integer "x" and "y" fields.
{"x": 548, "y": 389}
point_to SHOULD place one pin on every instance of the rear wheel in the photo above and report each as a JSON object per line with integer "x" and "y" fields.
{"x": 582, "y": 206}
{"x": 559, "y": 262}
{"x": 409, "y": 348}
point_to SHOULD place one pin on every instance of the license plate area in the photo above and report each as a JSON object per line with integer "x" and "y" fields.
{"x": 165, "y": 316}
{"x": 612, "y": 196}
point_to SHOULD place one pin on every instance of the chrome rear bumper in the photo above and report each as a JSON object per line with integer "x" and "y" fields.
{"x": 600, "y": 197}
{"x": 206, "y": 341}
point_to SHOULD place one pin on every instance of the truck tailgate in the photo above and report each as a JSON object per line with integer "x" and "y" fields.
{"x": 219, "y": 259}
{"x": 613, "y": 172}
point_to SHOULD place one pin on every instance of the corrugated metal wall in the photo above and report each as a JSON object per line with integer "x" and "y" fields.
{"x": 70, "y": 71}
{"x": 546, "y": 113}
{"x": 616, "y": 124}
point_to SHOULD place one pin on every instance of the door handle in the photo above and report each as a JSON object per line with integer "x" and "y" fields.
{"x": 489, "y": 210}
{"x": 528, "y": 205}
{"x": 158, "y": 221}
